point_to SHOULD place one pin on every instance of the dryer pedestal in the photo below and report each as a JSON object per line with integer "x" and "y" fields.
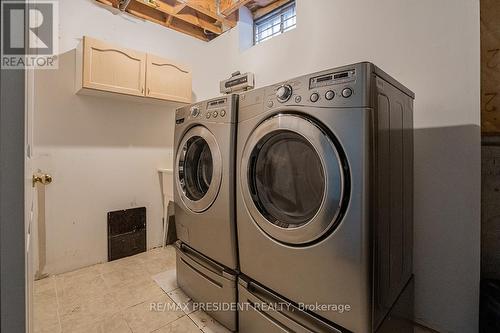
{"x": 262, "y": 310}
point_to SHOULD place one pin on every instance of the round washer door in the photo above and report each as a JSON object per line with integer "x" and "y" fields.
{"x": 292, "y": 179}
{"x": 199, "y": 169}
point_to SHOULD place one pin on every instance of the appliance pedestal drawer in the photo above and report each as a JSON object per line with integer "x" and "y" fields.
{"x": 209, "y": 284}
{"x": 261, "y": 310}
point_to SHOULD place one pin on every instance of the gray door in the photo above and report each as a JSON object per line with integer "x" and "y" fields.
{"x": 292, "y": 179}
{"x": 199, "y": 169}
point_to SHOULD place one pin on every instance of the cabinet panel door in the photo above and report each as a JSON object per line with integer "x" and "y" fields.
{"x": 167, "y": 80}
{"x": 111, "y": 68}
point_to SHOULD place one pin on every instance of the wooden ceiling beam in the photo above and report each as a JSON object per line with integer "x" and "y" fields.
{"x": 169, "y": 20}
{"x": 199, "y": 18}
{"x": 179, "y": 7}
{"x": 263, "y": 3}
{"x": 269, "y": 8}
{"x": 187, "y": 17}
{"x": 140, "y": 9}
{"x": 187, "y": 28}
{"x": 158, "y": 5}
{"x": 112, "y": 3}
{"x": 196, "y": 20}
{"x": 227, "y": 7}
{"x": 209, "y": 8}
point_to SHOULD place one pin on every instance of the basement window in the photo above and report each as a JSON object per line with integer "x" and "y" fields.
{"x": 275, "y": 23}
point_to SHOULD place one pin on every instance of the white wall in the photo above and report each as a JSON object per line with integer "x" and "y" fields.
{"x": 433, "y": 48}
{"x": 104, "y": 154}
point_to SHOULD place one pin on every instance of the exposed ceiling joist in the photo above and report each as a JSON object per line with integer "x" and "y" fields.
{"x": 197, "y": 18}
{"x": 262, "y": 3}
{"x": 228, "y": 7}
{"x": 269, "y": 7}
{"x": 203, "y": 19}
{"x": 106, "y": 2}
{"x": 191, "y": 18}
{"x": 179, "y": 7}
{"x": 209, "y": 8}
{"x": 150, "y": 14}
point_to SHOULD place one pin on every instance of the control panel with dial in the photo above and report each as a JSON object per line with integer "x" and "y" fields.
{"x": 327, "y": 88}
{"x": 217, "y": 110}
{"x": 284, "y": 92}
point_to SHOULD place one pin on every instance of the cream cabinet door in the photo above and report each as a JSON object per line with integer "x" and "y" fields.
{"x": 111, "y": 68}
{"x": 167, "y": 80}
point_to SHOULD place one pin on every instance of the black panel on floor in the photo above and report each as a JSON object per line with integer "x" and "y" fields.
{"x": 126, "y": 232}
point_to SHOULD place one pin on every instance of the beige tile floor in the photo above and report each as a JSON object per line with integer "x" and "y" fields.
{"x": 116, "y": 297}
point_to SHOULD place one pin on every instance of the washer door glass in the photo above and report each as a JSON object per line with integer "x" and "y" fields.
{"x": 293, "y": 179}
{"x": 199, "y": 169}
{"x": 288, "y": 179}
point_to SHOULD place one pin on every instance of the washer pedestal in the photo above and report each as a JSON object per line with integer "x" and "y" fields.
{"x": 207, "y": 283}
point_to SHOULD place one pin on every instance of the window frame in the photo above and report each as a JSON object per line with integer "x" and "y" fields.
{"x": 280, "y": 11}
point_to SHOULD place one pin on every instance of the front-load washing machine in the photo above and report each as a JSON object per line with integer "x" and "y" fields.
{"x": 324, "y": 196}
{"x": 204, "y": 198}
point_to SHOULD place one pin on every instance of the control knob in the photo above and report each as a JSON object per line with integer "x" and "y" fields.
{"x": 314, "y": 97}
{"x": 195, "y": 111}
{"x": 330, "y": 94}
{"x": 284, "y": 93}
{"x": 347, "y": 92}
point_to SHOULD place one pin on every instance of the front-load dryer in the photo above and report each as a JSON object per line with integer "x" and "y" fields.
{"x": 324, "y": 193}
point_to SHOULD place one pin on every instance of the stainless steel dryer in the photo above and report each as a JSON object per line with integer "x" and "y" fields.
{"x": 204, "y": 203}
{"x": 324, "y": 196}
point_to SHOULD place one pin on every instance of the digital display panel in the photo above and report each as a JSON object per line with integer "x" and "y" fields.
{"x": 324, "y": 78}
{"x": 332, "y": 78}
{"x": 236, "y": 82}
{"x": 217, "y": 102}
{"x": 341, "y": 75}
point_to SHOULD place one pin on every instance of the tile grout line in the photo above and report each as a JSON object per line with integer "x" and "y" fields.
{"x": 55, "y": 281}
{"x": 194, "y": 322}
{"x": 126, "y": 323}
{"x": 185, "y": 314}
{"x": 170, "y": 323}
{"x": 57, "y": 300}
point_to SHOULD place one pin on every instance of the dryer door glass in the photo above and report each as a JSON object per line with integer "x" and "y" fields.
{"x": 296, "y": 179}
{"x": 198, "y": 168}
{"x": 288, "y": 179}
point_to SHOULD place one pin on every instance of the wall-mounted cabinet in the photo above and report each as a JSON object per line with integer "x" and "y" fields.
{"x": 167, "y": 80}
{"x": 104, "y": 68}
